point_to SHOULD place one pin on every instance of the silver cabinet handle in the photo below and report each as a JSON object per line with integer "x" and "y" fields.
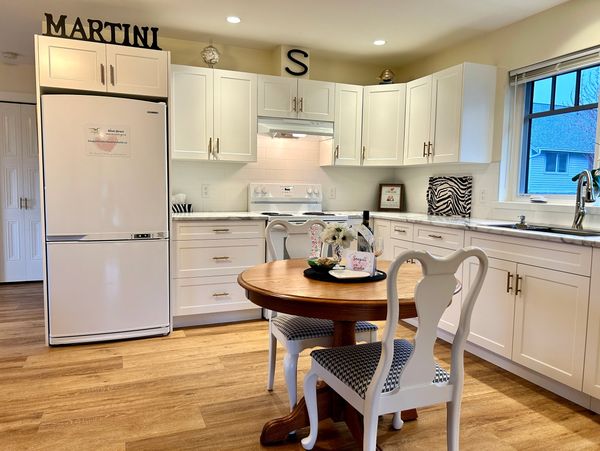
{"x": 222, "y": 293}
{"x": 509, "y": 278}
{"x": 220, "y": 230}
{"x": 20, "y": 203}
{"x": 26, "y": 203}
{"x": 218, "y": 148}
{"x": 429, "y": 151}
{"x": 399, "y": 230}
{"x": 294, "y": 102}
{"x": 102, "y": 76}
{"x": 519, "y": 288}
{"x": 301, "y": 109}
{"x": 364, "y": 152}
{"x": 112, "y": 75}
{"x": 220, "y": 258}
{"x": 210, "y": 148}
{"x": 437, "y": 237}
{"x": 336, "y": 154}
{"x": 424, "y": 149}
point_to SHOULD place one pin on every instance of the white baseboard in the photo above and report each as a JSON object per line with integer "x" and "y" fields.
{"x": 216, "y": 318}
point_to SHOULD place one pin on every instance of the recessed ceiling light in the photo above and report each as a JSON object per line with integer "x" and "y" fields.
{"x": 233, "y": 19}
{"x": 379, "y": 42}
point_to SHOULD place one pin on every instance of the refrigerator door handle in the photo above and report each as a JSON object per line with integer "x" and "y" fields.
{"x": 65, "y": 237}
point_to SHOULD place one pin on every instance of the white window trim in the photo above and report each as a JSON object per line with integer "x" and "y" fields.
{"x": 511, "y": 156}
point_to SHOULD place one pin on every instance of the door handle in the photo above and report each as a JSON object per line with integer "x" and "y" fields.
{"x": 509, "y": 278}
{"x": 518, "y": 287}
{"x": 102, "y": 76}
{"x": 294, "y": 104}
{"x": 112, "y": 75}
{"x": 424, "y": 149}
{"x": 209, "y": 147}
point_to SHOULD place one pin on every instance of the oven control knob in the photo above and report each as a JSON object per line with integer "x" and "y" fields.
{"x": 263, "y": 190}
{"x": 309, "y": 191}
{"x": 316, "y": 191}
{"x": 256, "y": 190}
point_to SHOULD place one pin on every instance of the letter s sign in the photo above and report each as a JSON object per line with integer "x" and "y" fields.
{"x": 303, "y": 67}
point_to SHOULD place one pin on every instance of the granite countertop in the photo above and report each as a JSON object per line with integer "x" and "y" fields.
{"x": 472, "y": 224}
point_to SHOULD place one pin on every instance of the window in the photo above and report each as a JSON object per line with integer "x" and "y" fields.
{"x": 560, "y": 113}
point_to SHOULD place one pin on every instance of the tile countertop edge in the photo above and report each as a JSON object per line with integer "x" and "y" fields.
{"x": 475, "y": 225}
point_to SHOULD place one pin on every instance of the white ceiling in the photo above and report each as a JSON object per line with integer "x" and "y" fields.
{"x": 341, "y": 28}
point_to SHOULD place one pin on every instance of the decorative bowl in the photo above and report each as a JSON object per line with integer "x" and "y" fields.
{"x": 322, "y": 264}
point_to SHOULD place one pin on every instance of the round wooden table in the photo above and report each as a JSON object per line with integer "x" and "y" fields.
{"x": 282, "y": 287}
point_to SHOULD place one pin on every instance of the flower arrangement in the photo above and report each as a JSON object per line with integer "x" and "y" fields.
{"x": 337, "y": 235}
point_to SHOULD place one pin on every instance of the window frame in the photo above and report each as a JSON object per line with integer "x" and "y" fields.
{"x": 514, "y": 166}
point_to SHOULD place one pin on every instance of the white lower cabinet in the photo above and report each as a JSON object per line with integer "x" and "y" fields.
{"x": 207, "y": 258}
{"x": 591, "y": 376}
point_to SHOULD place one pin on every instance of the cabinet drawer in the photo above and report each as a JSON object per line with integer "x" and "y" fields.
{"x": 402, "y": 231}
{"x": 545, "y": 254}
{"x": 216, "y": 257}
{"x": 209, "y": 295}
{"x": 197, "y": 230}
{"x": 439, "y": 236}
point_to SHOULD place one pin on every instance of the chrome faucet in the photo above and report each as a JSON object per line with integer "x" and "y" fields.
{"x": 585, "y": 193}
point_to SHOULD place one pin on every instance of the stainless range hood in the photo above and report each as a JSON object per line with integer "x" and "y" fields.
{"x": 293, "y": 128}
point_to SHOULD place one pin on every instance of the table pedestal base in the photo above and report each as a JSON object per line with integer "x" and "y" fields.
{"x": 330, "y": 405}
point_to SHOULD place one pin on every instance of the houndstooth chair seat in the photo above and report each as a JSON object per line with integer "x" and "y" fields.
{"x": 296, "y": 333}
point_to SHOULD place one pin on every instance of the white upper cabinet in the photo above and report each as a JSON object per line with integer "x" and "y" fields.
{"x": 213, "y": 114}
{"x": 345, "y": 148}
{"x": 449, "y": 116}
{"x": 383, "y": 125}
{"x": 91, "y": 66}
{"x": 295, "y": 98}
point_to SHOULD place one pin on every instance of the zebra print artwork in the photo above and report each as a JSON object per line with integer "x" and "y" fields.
{"x": 450, "y": 196}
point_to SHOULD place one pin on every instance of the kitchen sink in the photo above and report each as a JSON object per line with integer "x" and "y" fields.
{"x": 547, "y": 229}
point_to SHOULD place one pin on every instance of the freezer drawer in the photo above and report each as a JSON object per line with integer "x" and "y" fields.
{"x": 107, "y": 287}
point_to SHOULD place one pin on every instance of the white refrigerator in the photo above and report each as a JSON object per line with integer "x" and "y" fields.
{"x": 106, "y": 218}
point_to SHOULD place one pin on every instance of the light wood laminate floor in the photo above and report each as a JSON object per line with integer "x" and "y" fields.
{"x": 204, "y": 389}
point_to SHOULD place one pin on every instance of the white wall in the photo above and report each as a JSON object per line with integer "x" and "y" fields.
{"x": 279, "y": 160}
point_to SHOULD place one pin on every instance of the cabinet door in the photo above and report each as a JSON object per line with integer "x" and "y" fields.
{"x": 32, "y": 226}
{"x": 137, "y": 71}
{"x": 383, "y": 125}
{"x": 418, "y": 121}
{"x": 451, "y": 317}
{"x": 191, "y": 115}
{"x": 235, "y": 116}
{"x": 550, "y": 323}
{"x": 72, "y": 64}
{"x": 277, "y": 96}
{"x": 13, "y": 262}
{"x": 493, "y": 314}
{"x": 316, "y": 100}
{"x": 347, "y": 130}
{"x": 591, "y": 377}
{"x": 381, "y": 228}
{"x": 446, "y": 114}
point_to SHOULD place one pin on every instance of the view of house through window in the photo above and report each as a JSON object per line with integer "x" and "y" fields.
{"x": 559, "y": 130}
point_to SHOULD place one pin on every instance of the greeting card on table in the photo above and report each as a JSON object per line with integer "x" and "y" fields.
{"x": 361, "y": 261}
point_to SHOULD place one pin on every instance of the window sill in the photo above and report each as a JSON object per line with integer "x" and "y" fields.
{"x": 546, "y": 208}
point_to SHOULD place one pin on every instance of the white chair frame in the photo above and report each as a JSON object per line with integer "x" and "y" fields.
{"x": 415, "y": 387}
{"x": 296, "y": 245}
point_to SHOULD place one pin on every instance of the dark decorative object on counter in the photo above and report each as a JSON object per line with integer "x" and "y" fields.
{"x": 182, "y": 208}
{"x": 450, "y": 196}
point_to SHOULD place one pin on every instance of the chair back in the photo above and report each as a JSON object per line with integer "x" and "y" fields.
{"x": 298, "y": 242}
{"x": 432, "y": 296}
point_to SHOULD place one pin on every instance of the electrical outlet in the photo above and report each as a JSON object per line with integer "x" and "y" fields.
{"x": 332, "y": 192}
{"x": 206, "y": 190}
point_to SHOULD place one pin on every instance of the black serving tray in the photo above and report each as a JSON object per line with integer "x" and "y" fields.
{"x": 326, "y": 277}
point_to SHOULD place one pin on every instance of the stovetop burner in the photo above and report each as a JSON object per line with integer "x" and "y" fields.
{"x": 317, "y": 213}
{"x": 275, "y": 213}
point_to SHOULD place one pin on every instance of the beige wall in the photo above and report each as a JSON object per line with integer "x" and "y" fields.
{"x": 18, "y": 78}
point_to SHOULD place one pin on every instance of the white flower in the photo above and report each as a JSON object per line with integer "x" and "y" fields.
{"x": 337, "y": 234}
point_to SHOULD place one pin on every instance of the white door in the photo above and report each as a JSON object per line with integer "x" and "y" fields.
{"x": 32, "y": 226}
{"x": 446, "y": 114}
{"x": 383, "y": 125}
{"x": 72, "y": 64}
{"x": 235, "y": 120}
{"x": 591, "y": 377}
{"x": 493, "y": 314}
{"x": 104, "y": 166}
{"x": 191, "y": 113}
{"x": 347, "y": 127}
{"x": 550, "y": 323}
{"x": 316, "y": 100}
{"x": 418, "y": 121}
{"x": 137, "y": 71}
{"x": 101, "y": 287}
{"x": 277, "y": 96}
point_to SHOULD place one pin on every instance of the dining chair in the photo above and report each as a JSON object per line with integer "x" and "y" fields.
{"x": 393, "y": 375}
{"x": 296, "y": 333}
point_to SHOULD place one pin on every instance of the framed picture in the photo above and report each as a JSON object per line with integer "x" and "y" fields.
{"x": 390, "y": 197}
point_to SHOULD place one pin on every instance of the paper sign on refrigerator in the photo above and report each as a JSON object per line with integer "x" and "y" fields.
{"x": 108, "y": 141}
